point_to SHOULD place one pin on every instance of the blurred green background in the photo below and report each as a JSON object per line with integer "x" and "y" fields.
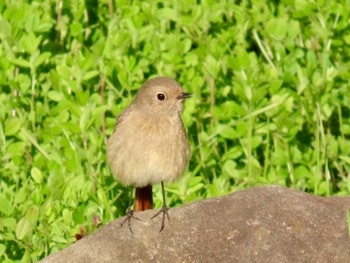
{"x": 271, "y": 104}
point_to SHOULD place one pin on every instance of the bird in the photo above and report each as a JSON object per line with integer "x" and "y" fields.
{"x": 149, "y": 144}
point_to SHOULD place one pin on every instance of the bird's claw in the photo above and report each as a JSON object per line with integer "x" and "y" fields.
{"x": 163, "y": 210}
{"x": 129, "y": 215}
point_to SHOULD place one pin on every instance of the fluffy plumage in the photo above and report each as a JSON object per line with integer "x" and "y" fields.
{"x": 149, "y": 143}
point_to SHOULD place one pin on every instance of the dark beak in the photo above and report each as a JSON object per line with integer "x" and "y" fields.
{"x": 184, "y": 95}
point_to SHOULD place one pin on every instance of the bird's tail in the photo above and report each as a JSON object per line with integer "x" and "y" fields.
{"x": 143, "y": 198}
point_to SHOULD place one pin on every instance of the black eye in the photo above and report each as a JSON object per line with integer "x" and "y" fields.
{"x": 160, "y": 96}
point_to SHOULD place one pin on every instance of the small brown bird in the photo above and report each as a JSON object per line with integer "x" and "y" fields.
{"x": 149, "y": 144}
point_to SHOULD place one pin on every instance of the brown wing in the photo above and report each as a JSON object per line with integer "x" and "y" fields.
{"x": 143, "y": 195}
{"x": 123, "y": 115}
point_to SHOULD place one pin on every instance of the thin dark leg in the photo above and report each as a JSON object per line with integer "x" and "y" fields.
{"x": 129, "y": 214}
{"x": 163, "y": 210}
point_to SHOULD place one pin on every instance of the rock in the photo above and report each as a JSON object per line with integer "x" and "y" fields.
{"x": 263, "y": 224}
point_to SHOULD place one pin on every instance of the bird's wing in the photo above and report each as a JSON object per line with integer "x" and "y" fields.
{"x": 122, "y": 116}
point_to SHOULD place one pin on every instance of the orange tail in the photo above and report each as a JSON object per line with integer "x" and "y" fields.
{"x": 143, "y": 198}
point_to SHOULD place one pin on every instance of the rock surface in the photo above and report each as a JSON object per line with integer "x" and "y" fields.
{"x": 262, "y": 224}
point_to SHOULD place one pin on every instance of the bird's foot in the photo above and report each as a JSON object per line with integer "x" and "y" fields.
{"x": 163, "y": 210}
{"x": 129, "y": 215}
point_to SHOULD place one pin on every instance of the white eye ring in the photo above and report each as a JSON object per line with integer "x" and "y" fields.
{"x": 160, "y": 96}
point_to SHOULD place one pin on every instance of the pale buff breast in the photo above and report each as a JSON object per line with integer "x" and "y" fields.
{"x": 144, "y": 151}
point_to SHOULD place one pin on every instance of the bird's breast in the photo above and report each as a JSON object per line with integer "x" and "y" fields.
{"x": 152, "y": 148}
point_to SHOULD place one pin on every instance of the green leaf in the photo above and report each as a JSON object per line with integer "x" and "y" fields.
{"x": 228, "y": 109}
{"x": 240, "y": 60}
{"x": 42, "y": 58}
{"x": 9, "y": 223}
{"x": 2, "y": 249}
{"x": 30, "y": 42}
{"x": 5, "y": 205}
{"x": 5, "y": 28}
{"x": 76, "y": 29}
{"x": 12, "y": 126}
{"x": 36, "y": 175}
{"x": 345, "y": 129}
{"x": 169, "y": 13}
{"x": 84, "y": 119}
{"x": 277, "y": 28}
{"x": 55, "y": 95}
{"x": 345, "y": 158}
{"x": 233, "y": 153}
{"x": 90, "y": 75}
{"x": 20, "y": 62}
{"x": 227, "y": 132}
{"x": 230, "y": 168}
{"x": 212, "y": 65}
{"x": 21, "y": 195}
{"x": 23, "y": 228}
{"x": 33, "y": 214}
{"x": 16, "y": 149}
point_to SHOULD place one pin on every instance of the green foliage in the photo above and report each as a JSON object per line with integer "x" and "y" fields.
{"x": 271, "y": 104}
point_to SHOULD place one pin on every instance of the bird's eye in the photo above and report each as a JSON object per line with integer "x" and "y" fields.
{"x": 160, "y": 96}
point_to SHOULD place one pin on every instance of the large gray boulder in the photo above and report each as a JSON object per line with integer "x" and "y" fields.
{"x": 263, "y": 224}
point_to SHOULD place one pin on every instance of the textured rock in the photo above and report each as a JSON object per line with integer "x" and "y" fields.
{"x": 263, "y": 224}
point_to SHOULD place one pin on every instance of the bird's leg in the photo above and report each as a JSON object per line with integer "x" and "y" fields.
{"x": 163, "y": 210}
{"x": 129, "y": 214}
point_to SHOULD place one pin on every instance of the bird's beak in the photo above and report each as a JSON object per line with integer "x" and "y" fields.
{"x": 184, "y": 95}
